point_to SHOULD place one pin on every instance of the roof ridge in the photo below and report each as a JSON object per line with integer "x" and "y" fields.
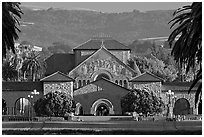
{"x": 144, "y": 74}
{"x": 55, "y": 74}
{"x": 82, "y": 44}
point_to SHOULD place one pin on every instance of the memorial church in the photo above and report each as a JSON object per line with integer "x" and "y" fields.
{"x": 97, "y": 76}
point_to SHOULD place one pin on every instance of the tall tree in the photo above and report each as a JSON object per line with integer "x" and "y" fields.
{"x": 187, "y": 50}
{"x": 32, "y": 66}
{"x": 10, "y": 12}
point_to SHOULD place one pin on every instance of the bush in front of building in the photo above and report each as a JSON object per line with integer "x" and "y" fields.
{"x": 55, "y": 104}
{"x": 142, "y": 101}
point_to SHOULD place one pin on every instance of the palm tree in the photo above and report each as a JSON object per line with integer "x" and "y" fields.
{"x": 10, "y": 12}
{"x": 8, "y": 71}
{"x": 187, "y": 50}
{"x": 33, "y": 66}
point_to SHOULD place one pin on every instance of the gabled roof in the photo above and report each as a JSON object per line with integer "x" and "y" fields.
{"x": 147, "y": 77}
{"x": 57, "y": 76}
{"x": 63, "y": 62}
{"x": 108, "y": 52}
{"x": 95, "y": 44}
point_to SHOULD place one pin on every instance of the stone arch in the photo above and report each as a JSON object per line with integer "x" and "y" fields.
{"x": 181, "y": 107}
{"x": 102, "y": 72}
{"x": 79, "y": 109}
{"x": 103, "y": 101}
{"x": 21, "y": 106}
{"x": 116, "y": 81}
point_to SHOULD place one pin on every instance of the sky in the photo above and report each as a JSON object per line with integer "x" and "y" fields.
{"x": 108, "y": 6}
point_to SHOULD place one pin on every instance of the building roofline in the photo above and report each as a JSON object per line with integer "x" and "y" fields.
{"x": 131, "y": 80}
{"x": 77, "y": 48}
{"x": 44, "y": 79}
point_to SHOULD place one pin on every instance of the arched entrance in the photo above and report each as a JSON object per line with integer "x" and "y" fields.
{"x": 102, "y": 110}
{"x": 102, "y": 107}
{"x": 181, "y": 107}
{"x": 4, "y": 107}
{"x": 200, "y": 107}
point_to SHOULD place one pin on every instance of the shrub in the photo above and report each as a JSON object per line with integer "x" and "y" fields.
{"x": 142, "y": 101}
{"x": 54, "y": 104}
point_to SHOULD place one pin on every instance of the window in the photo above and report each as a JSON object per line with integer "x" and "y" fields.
{"x": 125, "y": 84}
{"x": 79, "y": 83}
{"x": 84, "y": 82}
{"x": 121, "y": 82}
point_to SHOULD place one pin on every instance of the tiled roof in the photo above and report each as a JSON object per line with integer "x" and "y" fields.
{"x": 22, "y": 86}
{"x": 57, "y": 76}
{"x": 146, "y": 77}
{"x": 95, "y": 44}
{"x": 60, "y": 62}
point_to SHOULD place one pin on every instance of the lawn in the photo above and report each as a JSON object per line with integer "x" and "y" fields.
{"x": 97, "y": 132}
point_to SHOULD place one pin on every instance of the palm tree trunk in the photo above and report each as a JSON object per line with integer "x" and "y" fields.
{"x": 33, "y": 76}
{"x": 24, "y": 75}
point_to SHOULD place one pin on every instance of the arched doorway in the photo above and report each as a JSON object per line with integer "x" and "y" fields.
{"x": 181, "y": 107}
{"x": 79, "y": 109}
{"x": 103, "y": 75}
{"x": 200, "y": 107}
{"x": 4, "y": 107}
{"x": 102, "y": 110}
{"x": 102, "y": 107}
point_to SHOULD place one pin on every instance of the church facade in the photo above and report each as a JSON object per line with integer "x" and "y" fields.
{"x": 96, "y": 75}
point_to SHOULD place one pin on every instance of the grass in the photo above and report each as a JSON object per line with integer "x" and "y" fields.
{"x": 97, "y": 132}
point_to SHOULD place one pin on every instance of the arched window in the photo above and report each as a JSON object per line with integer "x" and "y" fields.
{"x": 116, "y": 81}
{"x": 103, "y": 76}
{"x": 75, "y": 85}
{"x": 88, "y": 82}
{"x": 125, "y": 83}
{"x": 79, "y": 83}
{"x": 22, "y": 106}
{"x": 84, "y": 82}
{"x": 121, "y": 82}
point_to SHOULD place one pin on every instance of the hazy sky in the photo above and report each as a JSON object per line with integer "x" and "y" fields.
{"x": 109, "y": 6}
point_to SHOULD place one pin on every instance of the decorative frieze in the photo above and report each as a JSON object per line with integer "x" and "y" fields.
{"x": 66, "y": 87}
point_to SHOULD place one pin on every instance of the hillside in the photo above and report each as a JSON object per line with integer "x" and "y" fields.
{"x": 73, "y": 27}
